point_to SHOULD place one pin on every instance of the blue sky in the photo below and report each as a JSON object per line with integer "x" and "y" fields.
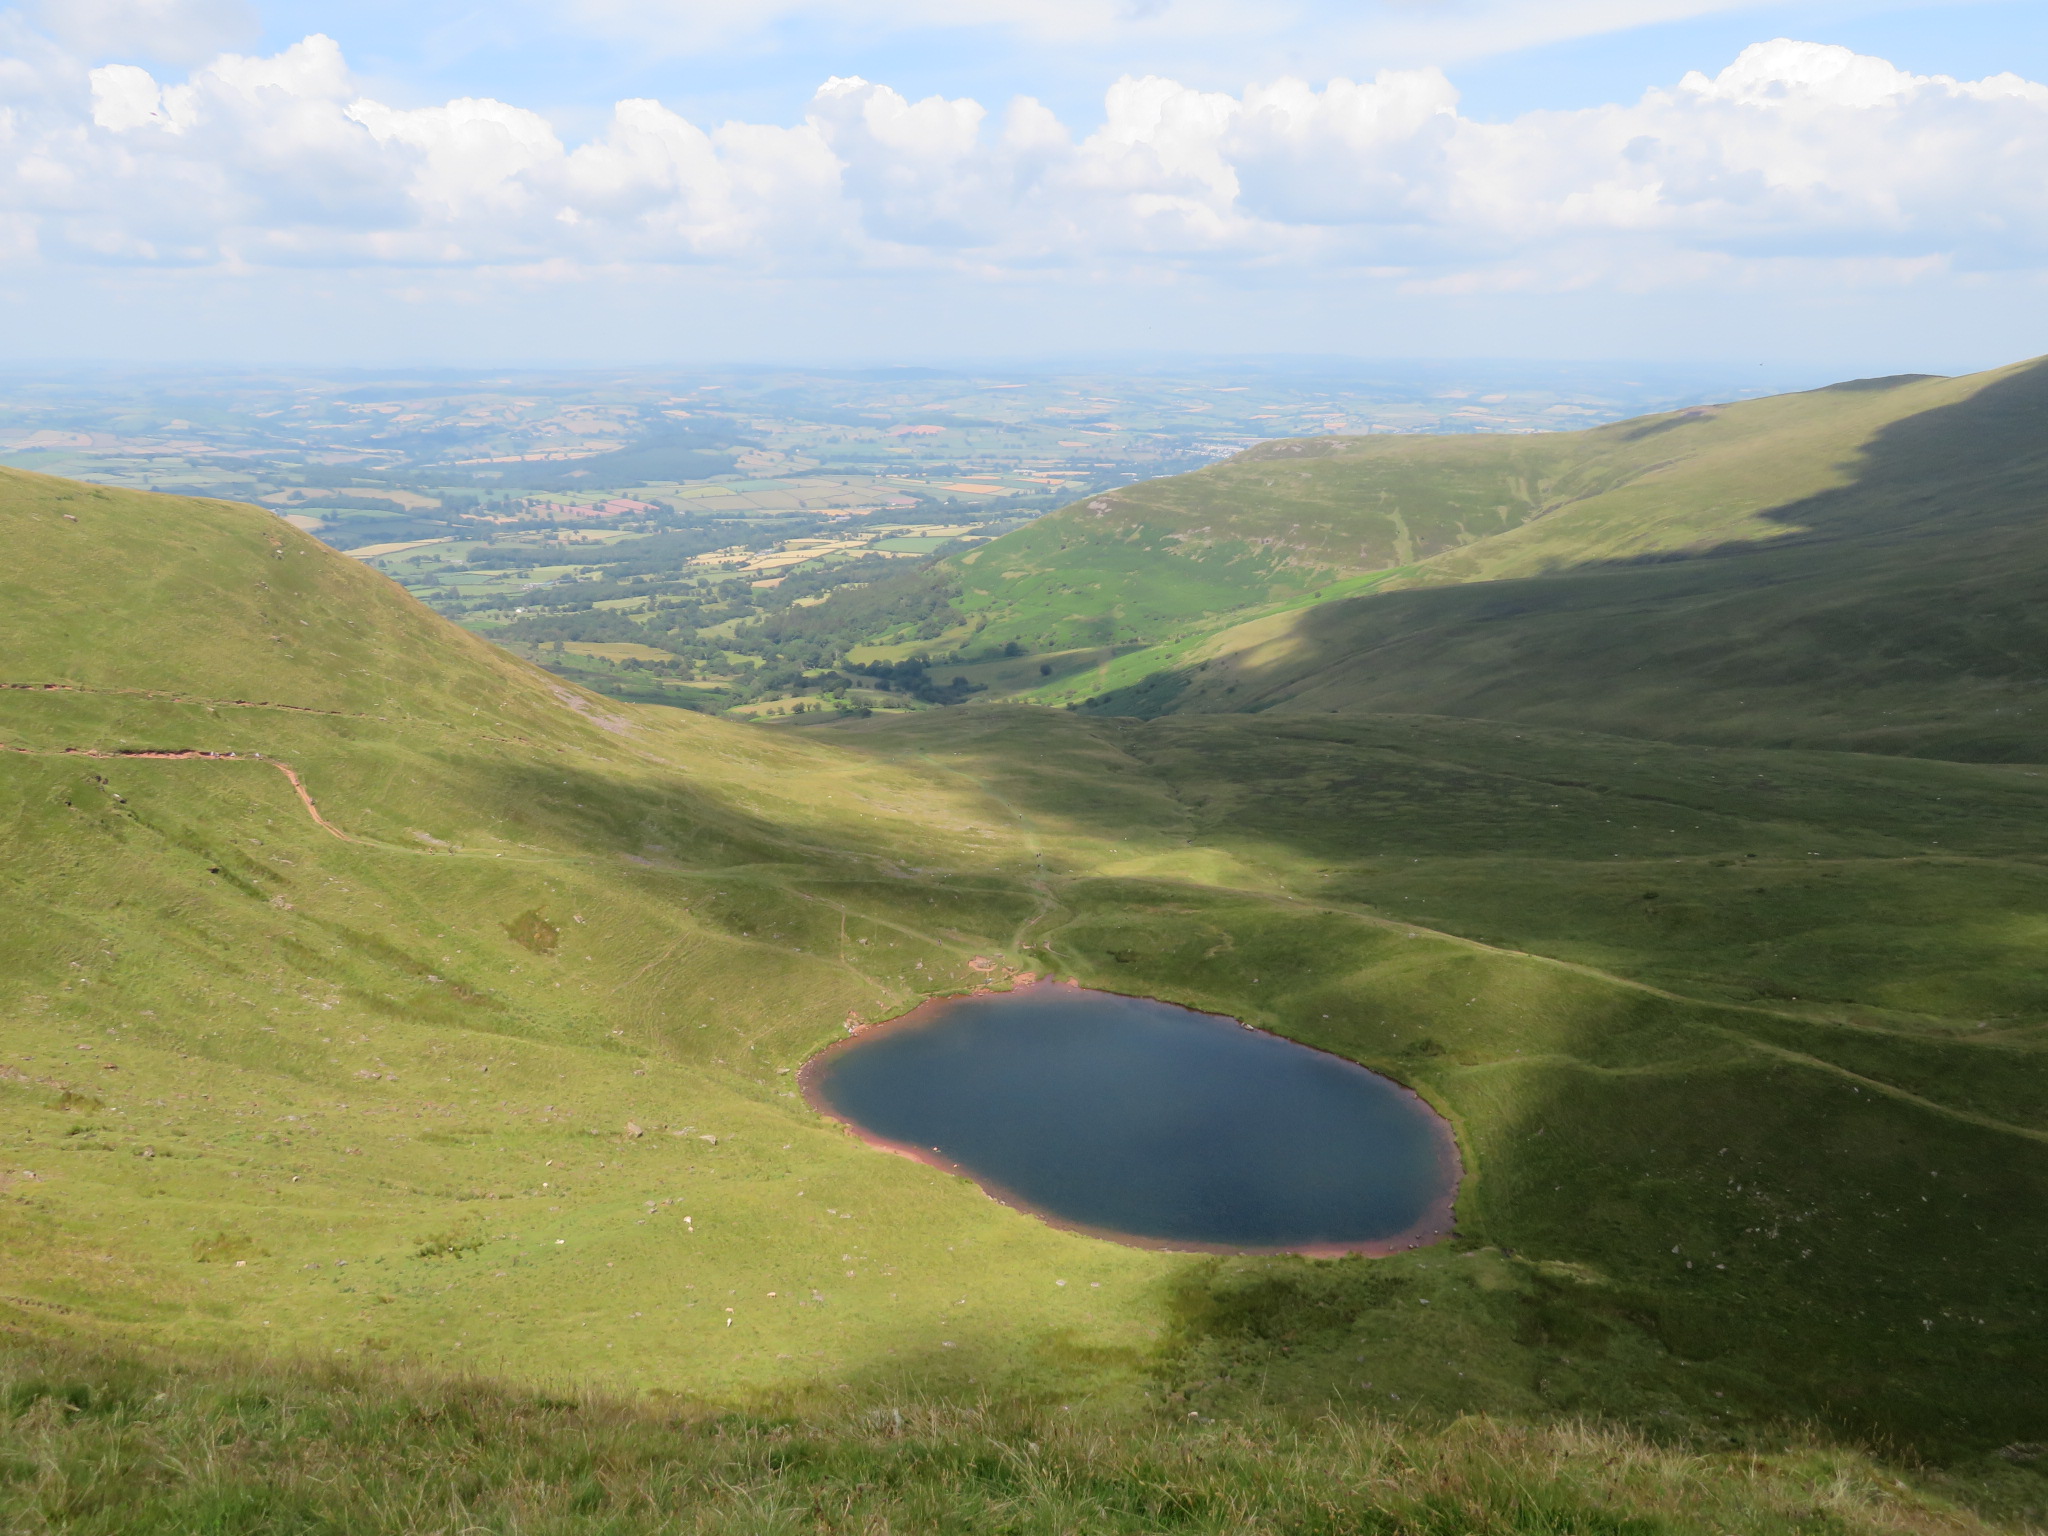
{"x": 1832, "y": 185}
{"x": 548, "y": 57}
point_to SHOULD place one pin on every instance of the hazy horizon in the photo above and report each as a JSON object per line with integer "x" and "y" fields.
{"x": 1828, "y": 190}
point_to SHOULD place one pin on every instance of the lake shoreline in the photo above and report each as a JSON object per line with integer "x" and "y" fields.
{"x": 1438, "y": 1223}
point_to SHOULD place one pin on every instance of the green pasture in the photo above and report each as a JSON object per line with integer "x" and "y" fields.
{"x": 1324, "y": 518}
{"x": 1626, "y": 973}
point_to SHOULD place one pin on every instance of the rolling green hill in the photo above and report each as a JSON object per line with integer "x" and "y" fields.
{"x": 1852, "y": 567}
{"x": 1893, "y": 611}
{"x": 1292, "y": 518}
{"x": 380, "y": 1014}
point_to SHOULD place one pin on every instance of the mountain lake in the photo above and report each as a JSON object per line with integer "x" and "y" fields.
{"x": 1148, "y": 1123}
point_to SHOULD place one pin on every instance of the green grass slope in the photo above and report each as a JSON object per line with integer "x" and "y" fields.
{"x": 1291, "y": 521}
{"x": 1892, "y": 610}
{"x": 476, "y": 1060}
{"x": 105, "y": 1444}
{"x": 1718, "y": 1030}
{"x": 272, "y": 1078}
{"x": 1136, "y": 565}
{"x": 247, "y": 612}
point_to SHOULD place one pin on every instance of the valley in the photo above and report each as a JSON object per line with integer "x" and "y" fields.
{"x": 660, "y": 537}
{"x": 1658, "y": 802}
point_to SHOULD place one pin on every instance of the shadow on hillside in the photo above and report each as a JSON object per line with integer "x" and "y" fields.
{"x": 1813, "y": 1274}
{"x": 1897, "y": 614}
{"x": 1845, "y": 1296}
{"x": 786, "y": 866}
{"x": 1944, "y": 464}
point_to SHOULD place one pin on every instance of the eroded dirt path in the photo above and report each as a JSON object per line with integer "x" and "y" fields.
{"x": 195, "y": 755}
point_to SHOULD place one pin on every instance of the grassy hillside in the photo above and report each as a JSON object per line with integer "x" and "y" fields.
{"x": 1694, "y": 1013}
{"x": 1891, "y": 612}
{"x": 1291, "y": 521}
{"x": 119, "y": 1446}
{"x": 370, "y": 1091}
{"x": 475, "y": 1061}
{"x": 1849, "y": 567}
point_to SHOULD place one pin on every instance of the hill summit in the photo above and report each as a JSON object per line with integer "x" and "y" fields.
{"x": 1851, "y": 566}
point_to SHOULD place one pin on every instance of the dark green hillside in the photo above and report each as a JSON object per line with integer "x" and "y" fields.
{"x": 377, "y": 1013}
{"x": 1893, "y": 612}
{"x": 1289, "y": 522}
{"x": 1141, "y": 563}
{"x": 1804, "y": 1130}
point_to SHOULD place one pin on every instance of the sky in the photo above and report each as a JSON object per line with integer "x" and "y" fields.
{"x": 1848, "y": 186}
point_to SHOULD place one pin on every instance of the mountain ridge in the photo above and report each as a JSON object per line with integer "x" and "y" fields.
{"x": 1283, "y": 519}
{"x": 1890, "y": 614}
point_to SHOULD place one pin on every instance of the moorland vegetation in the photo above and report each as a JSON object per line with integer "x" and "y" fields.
{"x": 1849, "y": 567}
{"x": 396, "y": 1087}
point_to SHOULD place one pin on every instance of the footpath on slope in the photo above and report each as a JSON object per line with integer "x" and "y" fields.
{"x": 193, "y": 754}
{"x": 1049, "y": 904}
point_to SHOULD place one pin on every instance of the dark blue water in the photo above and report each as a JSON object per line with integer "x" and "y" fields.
{"x": 1150, "y": 1121}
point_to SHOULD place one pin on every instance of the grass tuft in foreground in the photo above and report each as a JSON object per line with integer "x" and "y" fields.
{"x": 100, "y": 1442}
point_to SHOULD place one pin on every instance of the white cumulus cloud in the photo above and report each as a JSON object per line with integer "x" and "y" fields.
{"x": 1794, "y": 151}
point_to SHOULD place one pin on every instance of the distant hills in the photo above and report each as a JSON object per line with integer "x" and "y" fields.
{"x": 1850, "y": 566}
